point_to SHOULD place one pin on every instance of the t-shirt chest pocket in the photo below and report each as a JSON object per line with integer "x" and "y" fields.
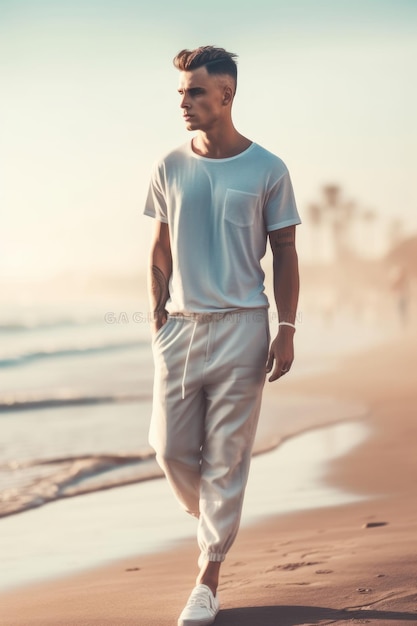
{"x": 240, "y": 207}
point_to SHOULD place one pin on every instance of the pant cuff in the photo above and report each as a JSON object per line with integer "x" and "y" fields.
{"x": 210, "y": 556}
{"x": 213, "y": 556}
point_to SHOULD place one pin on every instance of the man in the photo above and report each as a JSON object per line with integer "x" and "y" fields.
{"x": 216, "y": 200}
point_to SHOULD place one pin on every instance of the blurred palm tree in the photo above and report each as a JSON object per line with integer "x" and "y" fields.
{"x": 369, "y": 218}
{"x": 315, "y": 217}
{"x": 340, "y": 215}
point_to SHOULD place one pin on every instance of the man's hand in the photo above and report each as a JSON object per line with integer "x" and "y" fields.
{"x": 281, "y": 353}
{"x": 159, "y": 319}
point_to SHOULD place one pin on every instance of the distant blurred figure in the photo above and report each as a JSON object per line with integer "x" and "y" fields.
{"x": 400, "y": 285}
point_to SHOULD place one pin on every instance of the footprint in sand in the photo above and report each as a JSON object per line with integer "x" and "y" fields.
{"x": 132, "y": 569}
{"x": 316, "y": 553}
{"x": 293, "y": 566}
{"x": 298, "y": 584}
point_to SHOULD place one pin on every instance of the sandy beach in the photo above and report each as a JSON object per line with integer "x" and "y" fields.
{"x": 354, "y": 563}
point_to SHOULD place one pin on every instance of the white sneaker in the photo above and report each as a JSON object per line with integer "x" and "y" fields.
{"x": 201, "y": 608}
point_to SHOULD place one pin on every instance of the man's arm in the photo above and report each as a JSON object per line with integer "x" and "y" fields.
{"x": 160, "y": 268}
{"x": 286, "y": 288}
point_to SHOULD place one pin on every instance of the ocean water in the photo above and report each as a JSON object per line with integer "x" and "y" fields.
{"x": 75, "y": 400}
{"x": 75, "y": 394}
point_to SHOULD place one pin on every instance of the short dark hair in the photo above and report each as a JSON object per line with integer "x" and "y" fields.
{"x": 215, "y": 60}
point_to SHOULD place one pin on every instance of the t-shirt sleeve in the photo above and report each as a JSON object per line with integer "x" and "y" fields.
{"x": 155, "y": 205}
{"x": 280, "y": 208}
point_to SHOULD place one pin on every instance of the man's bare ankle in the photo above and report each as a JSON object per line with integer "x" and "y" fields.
{"x": 209, "y": 575}
{"x": 210, "y": 583}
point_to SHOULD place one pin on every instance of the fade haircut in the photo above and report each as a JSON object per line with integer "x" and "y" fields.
{"x": 215, "y": 60}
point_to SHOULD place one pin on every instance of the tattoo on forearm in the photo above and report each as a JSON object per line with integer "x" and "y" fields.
{"x": 159, "y": 288}
{"x": 282, "y": 240}
{"x": 285, "y": 244}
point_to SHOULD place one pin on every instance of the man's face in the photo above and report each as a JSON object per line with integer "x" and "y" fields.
{"x": 202, "y": 98}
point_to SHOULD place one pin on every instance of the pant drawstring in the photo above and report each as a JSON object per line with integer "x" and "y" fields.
{"x": 186, "y": 360}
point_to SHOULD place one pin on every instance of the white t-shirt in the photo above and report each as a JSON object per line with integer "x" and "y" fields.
{"x": 219, "y": 212}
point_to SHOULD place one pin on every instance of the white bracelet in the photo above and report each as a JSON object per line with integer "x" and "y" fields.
{"x": 287, "y": 324}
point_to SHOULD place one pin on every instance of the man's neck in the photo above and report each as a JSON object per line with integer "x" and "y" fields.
{"x": 220, "y": 145}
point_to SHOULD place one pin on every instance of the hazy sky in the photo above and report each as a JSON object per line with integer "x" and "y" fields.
{"x": 88, "y": 101}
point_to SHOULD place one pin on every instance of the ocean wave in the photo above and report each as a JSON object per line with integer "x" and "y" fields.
{"x": 22, "y": 403}
{"x": 34, "y": 325}
{"x": 31, "y": 484}
{"x": 36, "y": 482}
{"x": 27, "y": 357}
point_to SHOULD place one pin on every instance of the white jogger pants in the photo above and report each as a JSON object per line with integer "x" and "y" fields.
{"x": 209, "y": 376}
